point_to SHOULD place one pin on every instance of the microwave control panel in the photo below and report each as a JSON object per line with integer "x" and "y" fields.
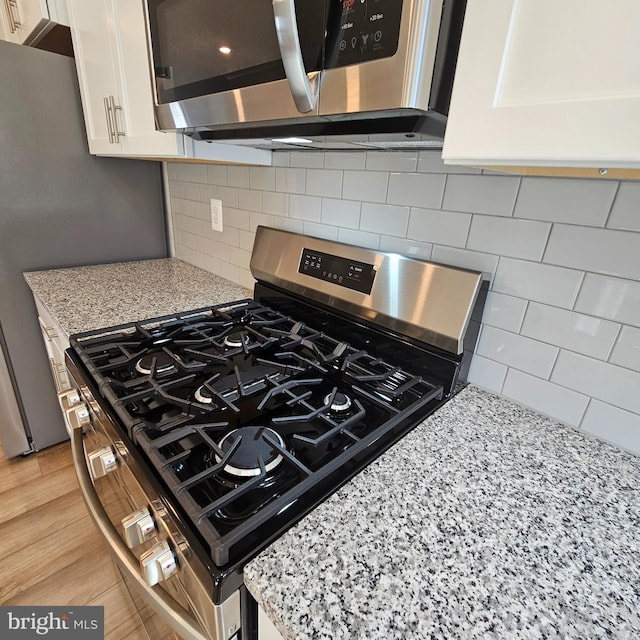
{"x": 351, "y": 274}
{"x": 362, "y": 30}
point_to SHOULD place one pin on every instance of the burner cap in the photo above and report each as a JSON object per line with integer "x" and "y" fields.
{"x": 244, "y": 460}
{"x": 341, "y": 402}
{"x": 236, "y": 339}
{"x": 164, "y": 363}
{"x": 202, "y": 394}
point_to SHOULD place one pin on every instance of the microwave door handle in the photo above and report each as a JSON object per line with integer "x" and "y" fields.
{"x": 303, "y": 89}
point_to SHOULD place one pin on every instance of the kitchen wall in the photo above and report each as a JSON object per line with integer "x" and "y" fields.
{"x": 561, "y": 328}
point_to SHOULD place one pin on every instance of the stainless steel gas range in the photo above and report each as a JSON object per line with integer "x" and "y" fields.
{"x": 200, "y": 437}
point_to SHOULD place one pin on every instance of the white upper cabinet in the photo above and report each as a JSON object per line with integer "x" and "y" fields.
{"x": 26, "y": 21}
{"x": 112, "y": 59}
{"x": 547, "y": 83}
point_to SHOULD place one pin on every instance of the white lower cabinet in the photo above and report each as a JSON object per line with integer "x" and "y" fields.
{"x": 55, "y": 342}
{"x": 114, "y": 73}
{"x": 547, "y": 83}
{"x": 266, "y": 628}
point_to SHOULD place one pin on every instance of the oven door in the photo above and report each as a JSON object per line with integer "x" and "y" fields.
{"x": 217, "y": 62}
{"x": 166, "y": 584}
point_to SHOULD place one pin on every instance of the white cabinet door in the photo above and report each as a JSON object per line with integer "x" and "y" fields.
{"x": 547, "y": 83}
{"x": 92, "y": 23}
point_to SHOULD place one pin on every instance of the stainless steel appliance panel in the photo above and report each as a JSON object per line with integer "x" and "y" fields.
{"x": 451, "y": 292}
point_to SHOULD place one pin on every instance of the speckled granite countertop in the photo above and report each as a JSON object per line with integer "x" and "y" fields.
{"x": 486, "y": 521}
{"x": 87, "y": 298}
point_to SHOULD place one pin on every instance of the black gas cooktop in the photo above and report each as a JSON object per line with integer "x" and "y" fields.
{"x": 249, "y": 415}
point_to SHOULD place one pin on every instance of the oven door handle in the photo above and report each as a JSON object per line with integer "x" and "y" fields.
{"x": 304, "y": 89}
{"x": 182, "y": 622}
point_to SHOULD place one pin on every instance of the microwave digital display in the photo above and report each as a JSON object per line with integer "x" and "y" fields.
{"x": 362, "y": 30}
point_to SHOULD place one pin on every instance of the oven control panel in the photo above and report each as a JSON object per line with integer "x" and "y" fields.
{"x": 351, "y": 274}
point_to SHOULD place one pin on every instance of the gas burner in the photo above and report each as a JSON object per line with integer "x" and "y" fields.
{"x": 236, "y": 339}
{"x": 164, "y": 363}
{"x": 243, "y": 462}
{"x": 203, "y": 395}
{"x": 341, "y": 402}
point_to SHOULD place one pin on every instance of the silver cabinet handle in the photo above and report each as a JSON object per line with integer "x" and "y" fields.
{"x": 13, "y": 23}
{"x": 16, "y": 21}
{"x": 166, "y": 607}
{"x": 116, "y": 131}
{"x": 107, "y": 113}
{"x": 303, "y": 89}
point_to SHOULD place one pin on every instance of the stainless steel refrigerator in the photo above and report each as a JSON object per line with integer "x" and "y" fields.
{"x": 59, "y": 207}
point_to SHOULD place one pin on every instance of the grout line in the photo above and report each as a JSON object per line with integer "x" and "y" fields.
{"x": 578, "y": 292}
{"x": 546, "y": 244}
{"x": 615, "y": 197}
{"x": 585, "y": 412}
{"x": 444, "y": 189}
{"x": 515, "y": 202}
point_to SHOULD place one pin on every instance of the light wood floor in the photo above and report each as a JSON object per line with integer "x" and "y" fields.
{"x": 50, "y": 552}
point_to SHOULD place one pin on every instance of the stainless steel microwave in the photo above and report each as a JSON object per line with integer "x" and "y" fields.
{"x": 325, "y": 70}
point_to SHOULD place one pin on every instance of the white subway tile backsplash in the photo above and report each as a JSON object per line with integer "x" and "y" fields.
{"x": 320, "y": 230}
{"x": 411, "y": 248}
{"x": 246, "y": 239}
{"x": 548, "y": 328}
{"x": 504, "y": 312}
{"x": 487, "y": 374}
{"x": 359, "y": 238}
{"x": 275, "y": 203}
{"x": 391, "y": 161}
{"x": 624, "y": 214}
{"x": 492, "y": 195}
{"x": 540, "y": 282}
{"x": 324, "y": 182}
{"x": 229, "y": 196}
{"x": 626, "y": 353}
{"x": 341, "y": 213}
{"x": 306, "y": 159}
{"x": 611, "y": 298}
{"x": 416, "y": 189}
{"x": 574, "y": 331}
{"x": 368, "y": 186}
{"x": 197, "y": 172}
{"x": 259, "y": 219}
{"x": 291, "y": 180}
{"x": 613, "y": 425}
{"x": 607, "y": 382}
{"x": 484, "y": 262}
{"x": 238, "y": 176}
{"x": 345, "y": 160}
{"x": 288, "y": 224}
{"x": 384, "y": 218}
{"x": 217, "y": 174}
{"x": 202, "y": 211}
{"x": 555, "y": 401}
{"x": 614, "y": 253}
{"x": 238, "y": 218}
{"x": 305, "y": 208}
{"x": 191, "y": 191}
{"x": 249, "y": 200}
{"x": 239, "y": 257}
{"x": 517, "y": 351}
{"x": 431, "y": 162}
{"x": 524, "y": 239}
{"x": 262, "y": 178}
{"x": 439, "y": 227}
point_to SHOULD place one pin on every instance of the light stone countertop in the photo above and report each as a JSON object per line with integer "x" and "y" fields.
{"x": 487, "y": 521}
{"x": 98, "y": 296}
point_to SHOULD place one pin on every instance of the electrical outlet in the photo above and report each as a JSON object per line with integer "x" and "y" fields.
{"x": 216, "y": 214}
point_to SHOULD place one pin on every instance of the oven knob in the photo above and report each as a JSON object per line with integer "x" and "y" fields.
{"x": 138, "y": 527}
{"x": 102, "y": 461}
{"x": 78, "y": 417}
{"x": 158, "y": 563}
